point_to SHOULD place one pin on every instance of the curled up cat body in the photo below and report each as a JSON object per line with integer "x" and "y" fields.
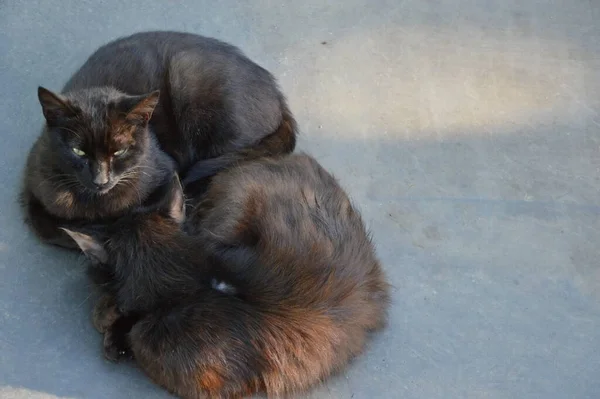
{"x": 278, "y": 288}
{"x": 140, "y": 108}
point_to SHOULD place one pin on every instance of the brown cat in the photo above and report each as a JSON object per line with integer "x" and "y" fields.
{"x": 102, "y": 151}
{"x": 279, "y": 288}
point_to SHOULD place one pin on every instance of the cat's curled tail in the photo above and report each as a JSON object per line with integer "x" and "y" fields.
{"x": 281, "y": 141}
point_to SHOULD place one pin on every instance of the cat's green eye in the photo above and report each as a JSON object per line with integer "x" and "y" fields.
{"x": 120, "y": 152}
{"x": 78, "y": 152}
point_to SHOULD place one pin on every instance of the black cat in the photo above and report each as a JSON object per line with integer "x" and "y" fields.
{"x": 198, "y": 99}
{"x": 278, "y": 289}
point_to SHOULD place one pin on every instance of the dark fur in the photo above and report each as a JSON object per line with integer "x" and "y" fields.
{"x": 308, "y": 286}
{"x": 215, "y": 108}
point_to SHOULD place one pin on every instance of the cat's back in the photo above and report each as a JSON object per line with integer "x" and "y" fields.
{"x": 311, "y": 240}
{"x": 138, "y": 63}
{"x": 164, "y": 44}
{"x": 294, "y": 196}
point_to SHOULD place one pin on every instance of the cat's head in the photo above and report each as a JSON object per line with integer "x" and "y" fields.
{"x": 137, "y": 237}
{"x": 100, "y": 134}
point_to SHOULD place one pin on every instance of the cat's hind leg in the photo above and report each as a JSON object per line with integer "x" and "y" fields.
{"x": 108, "y": 320}
{"x": 105, "y": 313}
{"x": 116, "y": 344}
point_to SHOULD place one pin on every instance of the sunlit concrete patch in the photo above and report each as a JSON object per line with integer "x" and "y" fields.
{"x": 7, "y": 392}
{"x": 432, "y": 83}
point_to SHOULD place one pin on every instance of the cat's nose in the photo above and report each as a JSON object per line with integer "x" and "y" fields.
{"x": 101, "y": 181}
{"x": 101, "y": 174}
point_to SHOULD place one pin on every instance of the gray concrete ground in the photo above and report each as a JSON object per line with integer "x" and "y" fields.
{"x": 465, "y": 130}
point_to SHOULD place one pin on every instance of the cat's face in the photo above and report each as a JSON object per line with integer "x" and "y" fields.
{"x": 100, "y": 135}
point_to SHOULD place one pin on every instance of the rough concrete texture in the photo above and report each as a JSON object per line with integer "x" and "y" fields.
{"x": 465, "y": 130}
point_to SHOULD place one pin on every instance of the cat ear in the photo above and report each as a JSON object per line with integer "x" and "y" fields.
{"x": 139, "y": 109}
{"x": 176, "y": 204}
{"x": 54, "y": 106}
{"x": 91, "y": 247}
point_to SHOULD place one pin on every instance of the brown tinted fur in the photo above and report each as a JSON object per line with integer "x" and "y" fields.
{"x": 309, "y": 288}
{"x": 282, "y": 141}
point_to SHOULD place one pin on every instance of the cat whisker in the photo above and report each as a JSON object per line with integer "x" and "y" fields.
{"x": 67, "y": 185}
{"x": 58, "y": 176}
{"x": 141, "y": 168}
{"x": 128, "y": 176}
{"x": 85, "y": 300}
{"x": 133, "y": 187}
{"x": 152, "y": 168}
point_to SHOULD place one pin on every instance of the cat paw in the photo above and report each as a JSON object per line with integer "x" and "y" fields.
{"x": 105, "y": 313}
{"x": 114, "y": 349}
